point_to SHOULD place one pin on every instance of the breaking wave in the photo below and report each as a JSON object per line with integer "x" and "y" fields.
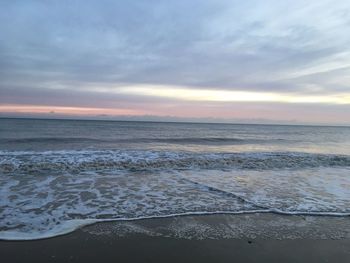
{"x": 27, "y": 161}
{"x": 175, "y": 140}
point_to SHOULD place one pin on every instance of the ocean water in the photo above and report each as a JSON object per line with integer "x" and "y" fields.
{"x": 58, "y": 175}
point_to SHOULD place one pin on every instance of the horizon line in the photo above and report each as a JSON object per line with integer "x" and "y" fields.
{"x": 170, "y": 121}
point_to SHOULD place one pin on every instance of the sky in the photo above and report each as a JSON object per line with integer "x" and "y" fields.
{"x": 244, "y": 61}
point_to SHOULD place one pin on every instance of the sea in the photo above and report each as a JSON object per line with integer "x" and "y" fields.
{"x": 59, "y": 175}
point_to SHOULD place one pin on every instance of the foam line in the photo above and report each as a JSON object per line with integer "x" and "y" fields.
{"x": 72, "y": 225}
{"x": 157, "y": 160}
{"x": 212, "y": 188}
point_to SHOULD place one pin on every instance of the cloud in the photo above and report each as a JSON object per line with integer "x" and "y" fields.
{"x": 53, "y": 49}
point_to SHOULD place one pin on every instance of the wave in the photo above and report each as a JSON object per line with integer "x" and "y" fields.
{"x": 206, "y": 140}
{"x": 181, "y": 140}
{"x": 75, "y": 161}
{"x": 49, "y": 140}
{"x": 64, "y": 198}
{"x": 72, "y": 225}
{"x": 226, "y": 193}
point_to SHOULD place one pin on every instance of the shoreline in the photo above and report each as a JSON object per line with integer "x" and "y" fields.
{"x": 209, "y": 238}
{"x": 78, "y": 224}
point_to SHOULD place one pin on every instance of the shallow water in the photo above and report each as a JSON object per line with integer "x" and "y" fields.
{"x": 58, "y": 175}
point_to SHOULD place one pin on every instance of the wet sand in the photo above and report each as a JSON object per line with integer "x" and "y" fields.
{"x": 217, "y": 238}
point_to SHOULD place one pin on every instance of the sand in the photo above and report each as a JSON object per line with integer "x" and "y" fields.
{"x": 215, "y": 238}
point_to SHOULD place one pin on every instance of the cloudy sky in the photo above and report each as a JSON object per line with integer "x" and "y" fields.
{"x": 235, "y": 60}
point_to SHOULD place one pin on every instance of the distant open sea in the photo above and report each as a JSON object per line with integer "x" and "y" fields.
{"x": 58, "y": 175}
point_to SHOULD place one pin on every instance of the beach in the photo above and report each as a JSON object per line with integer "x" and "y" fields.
{"x": 174, "y": 131}
{"x": 210, "y": 238}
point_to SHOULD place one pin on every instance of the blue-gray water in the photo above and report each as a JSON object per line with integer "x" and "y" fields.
{"x": 57, "y": 175}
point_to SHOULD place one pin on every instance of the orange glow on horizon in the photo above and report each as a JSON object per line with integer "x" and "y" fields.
{"x": 66, "y": 110}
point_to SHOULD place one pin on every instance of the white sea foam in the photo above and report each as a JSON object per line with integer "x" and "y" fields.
{"x": 40, "y": 204}
{"x": 24, "y": 162}
{"x": 50, "y": 193}
{"x": 317, "y": 191}
{"x": 36, "y": 207}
